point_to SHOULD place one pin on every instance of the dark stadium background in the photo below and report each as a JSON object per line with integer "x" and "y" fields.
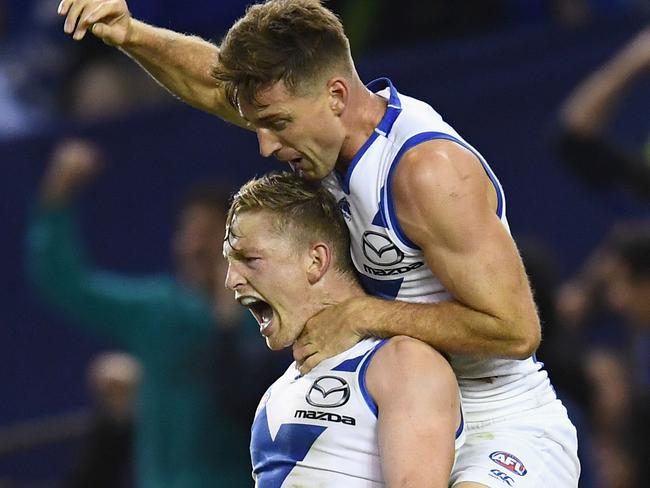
{"x": 500, "y": 89}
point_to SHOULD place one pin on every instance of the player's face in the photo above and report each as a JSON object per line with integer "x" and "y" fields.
{"x": 196, "y": 243}
{"x": 268, "y": 276}
{"x": 303, "y": 131}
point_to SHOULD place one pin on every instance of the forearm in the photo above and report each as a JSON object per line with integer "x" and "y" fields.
{"x": 56, "y": 263}
{"x": 591, "y": 105}
{"x": 182, "y": 64}
{"x": 448, "y": 327}
{"x": 117, "y": 307}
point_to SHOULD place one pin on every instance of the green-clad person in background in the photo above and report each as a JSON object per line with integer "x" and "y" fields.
{"x": 171, "y": 324}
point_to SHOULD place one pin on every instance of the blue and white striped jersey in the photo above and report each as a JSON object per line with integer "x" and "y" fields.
{"x": 320, "y": 429}
{"x": 393, "y": 267}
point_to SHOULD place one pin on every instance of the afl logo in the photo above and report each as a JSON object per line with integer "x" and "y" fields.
{"x": 379, "y": 250}
{"x": 328, "y": 392}
{"x": 509, "y": 462}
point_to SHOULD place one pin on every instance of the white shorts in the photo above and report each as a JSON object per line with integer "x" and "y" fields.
{"x": 534, "y": 449}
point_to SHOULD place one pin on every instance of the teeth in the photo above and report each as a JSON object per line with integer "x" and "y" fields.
{"x": 265, "y": 323}
{"x": 263, "y": 315}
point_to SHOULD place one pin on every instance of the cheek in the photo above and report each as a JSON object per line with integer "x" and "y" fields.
{"x": 321, "y": 130}
{"x": 289, "y": 287}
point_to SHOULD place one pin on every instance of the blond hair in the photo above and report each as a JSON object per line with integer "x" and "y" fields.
{"x": 303, "y": 210}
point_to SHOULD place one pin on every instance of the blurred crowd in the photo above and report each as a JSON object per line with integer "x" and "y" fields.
{"x": 177, "y": 403}
{"x": 164, "y": 396}
{"x": 44, "y": 78}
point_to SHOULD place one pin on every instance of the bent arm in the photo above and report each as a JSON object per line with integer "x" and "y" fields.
{"x": 183, "y": 65}
{"x": 111, "y": 305}
{"x": 418, "y": 413}
{"x": 446, "y": 204}
{"x": 589, "y": 108}
{"x": 582, "y": 141}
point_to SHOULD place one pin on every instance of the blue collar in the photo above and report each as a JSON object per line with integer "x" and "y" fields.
{"x": 394, "y": 104}
{"x": 393, "y": 110}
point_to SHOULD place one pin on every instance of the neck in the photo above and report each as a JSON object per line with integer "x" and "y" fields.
{"x": 363, "y": 113}
{"x": 336, "y": 290}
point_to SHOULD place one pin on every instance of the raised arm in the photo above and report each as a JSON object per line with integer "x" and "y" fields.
{"x": 582, "y": 140}
{"x": 589, "y": 108}
{"x": 116, "y": 306}
{"x": 418, "y": 413}
{"x": 181, "y": 63}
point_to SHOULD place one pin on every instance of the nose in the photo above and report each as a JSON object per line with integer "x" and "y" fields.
{"x": 269, "y": 143}
{"x": 234, "y": 279}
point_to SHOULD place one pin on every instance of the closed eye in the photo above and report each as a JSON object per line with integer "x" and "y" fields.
{"x": 279, "y": 125}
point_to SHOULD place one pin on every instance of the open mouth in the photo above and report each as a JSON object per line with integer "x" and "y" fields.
{"x": 261, "y": 310}
{"x": 295, "y": 165}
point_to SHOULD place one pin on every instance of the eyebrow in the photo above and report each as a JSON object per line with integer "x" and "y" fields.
{"x": 239, "y": 254}
{"x": 266, "y": 119}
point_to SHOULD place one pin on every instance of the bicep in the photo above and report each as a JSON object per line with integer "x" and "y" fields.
{"x": 419, "y": 413}
{"x": 449, "y": 211}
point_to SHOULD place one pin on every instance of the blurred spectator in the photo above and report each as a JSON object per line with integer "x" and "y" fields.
{"x": 169, "y": 323}
{"x": 100, "y": 84}
{"x": 113, "y": 380}
{"x": 584, "y": 142}
{"x": 558, "y": 348}
{"x": 44, "y": 77}
{"x": 616, "y": 278}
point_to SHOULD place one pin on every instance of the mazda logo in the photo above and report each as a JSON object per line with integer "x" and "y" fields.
{"x": 379, "y": 250}
{"x": 328, "y": 392}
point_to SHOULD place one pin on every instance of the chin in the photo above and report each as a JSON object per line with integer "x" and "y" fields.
{"x": 274, "y": 345}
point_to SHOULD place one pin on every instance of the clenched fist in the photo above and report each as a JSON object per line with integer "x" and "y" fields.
{"x": 73, "y": 165}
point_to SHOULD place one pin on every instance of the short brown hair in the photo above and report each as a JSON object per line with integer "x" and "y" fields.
{"x": 304, "y": 210}
{"x": 293, "y": 41}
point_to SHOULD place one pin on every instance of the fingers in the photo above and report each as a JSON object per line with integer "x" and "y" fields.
{"x": 64, "y": 6}
{"x": 310, "y": 363}
{"x": 90, "y": 16}
{"x": 81, "y": 14}
{"x": 302, "y": 351}
{"x": 73, "y": 9}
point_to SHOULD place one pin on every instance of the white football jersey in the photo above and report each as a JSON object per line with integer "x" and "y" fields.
{"x": 320, "y": 429}
{"x": 393, "y": 267}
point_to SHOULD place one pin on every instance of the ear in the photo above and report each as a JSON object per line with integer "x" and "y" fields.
{"x": 339, "y": 91}
{"x": 318, "y": 262}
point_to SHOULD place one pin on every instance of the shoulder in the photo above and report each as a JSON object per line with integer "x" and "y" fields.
{"x": 405, "y": 350}
{"x": 437, "y": 183}
{"x": 404, "y": 360}
{"x": 437, "y": 163}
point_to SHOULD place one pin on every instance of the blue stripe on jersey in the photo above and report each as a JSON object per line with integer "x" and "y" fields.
{"x": 381, "y": 288}
{"x": 410, "y": 144}
{"x": 273, "y": 460}
{"x": 345, "y": 183}
{"x": 362, "y": 378}
{"x": 461, "y": 425}
{"x": 349, "y": 365}
{"x": 378, "y": 219}
{"x": 393, "y": 110}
